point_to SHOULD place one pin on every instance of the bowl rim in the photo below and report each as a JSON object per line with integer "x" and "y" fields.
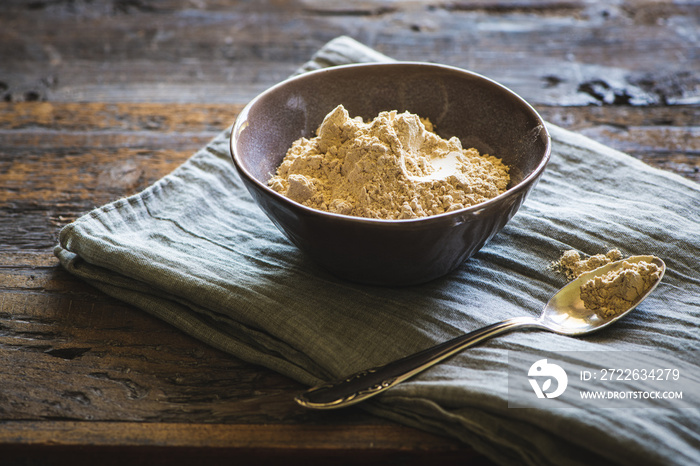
{"x": 239, "y": 125}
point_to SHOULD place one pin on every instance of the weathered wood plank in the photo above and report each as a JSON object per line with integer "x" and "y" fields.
{"x": 664, "y": 137}
{"x": 557, "y": 53}
{"x": 96, "y": 116}
{"x": 47, "y": 185}
{"x": 211, "y": 118}
{"x": 137, "y": 443}
{"x": 361, "y": 437}
{"x": 26, "y": 259}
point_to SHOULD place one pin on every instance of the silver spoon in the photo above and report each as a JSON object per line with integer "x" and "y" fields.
{"x": 564, "y": 314}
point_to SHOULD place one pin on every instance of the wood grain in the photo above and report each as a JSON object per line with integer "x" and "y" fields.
{"x": 362, "y": 437}
{"x": 551, "y": 52}
{"x": 190, "y": 443}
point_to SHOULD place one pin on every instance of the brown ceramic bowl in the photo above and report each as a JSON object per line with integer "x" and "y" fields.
{"x": 481, "y": 112}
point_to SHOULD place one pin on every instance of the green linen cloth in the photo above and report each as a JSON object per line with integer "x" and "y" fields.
{"x": 194, "y": 250}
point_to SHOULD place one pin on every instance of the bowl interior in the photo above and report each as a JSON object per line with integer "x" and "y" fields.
{"x": 480, "y": 112}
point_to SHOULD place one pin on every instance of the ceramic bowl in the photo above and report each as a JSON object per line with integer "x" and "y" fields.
{"x": 480, "y": 112}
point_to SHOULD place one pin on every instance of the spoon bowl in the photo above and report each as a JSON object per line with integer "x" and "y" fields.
{"x": 565, "y": 314}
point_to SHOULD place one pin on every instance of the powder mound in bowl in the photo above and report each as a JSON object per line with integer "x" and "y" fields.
{"x": 393, "y": 167}
{"x": 616, "y": 291}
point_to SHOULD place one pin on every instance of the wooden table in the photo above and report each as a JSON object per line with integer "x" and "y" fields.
{"x": 102, "y": 98}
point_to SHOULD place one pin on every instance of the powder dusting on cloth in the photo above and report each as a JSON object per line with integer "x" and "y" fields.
{"x": 393, "y": 167}
{"x": 572, "y": 264}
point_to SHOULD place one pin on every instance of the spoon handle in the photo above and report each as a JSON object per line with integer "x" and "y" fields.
{"x": 370, "y": 382}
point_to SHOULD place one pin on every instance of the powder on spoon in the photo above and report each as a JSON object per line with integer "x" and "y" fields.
{"x": 617, "y": 290}
{"x": 393, "y": 167}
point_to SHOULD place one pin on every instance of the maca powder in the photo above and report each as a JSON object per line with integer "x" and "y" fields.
{"x": 393, "y": 167}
